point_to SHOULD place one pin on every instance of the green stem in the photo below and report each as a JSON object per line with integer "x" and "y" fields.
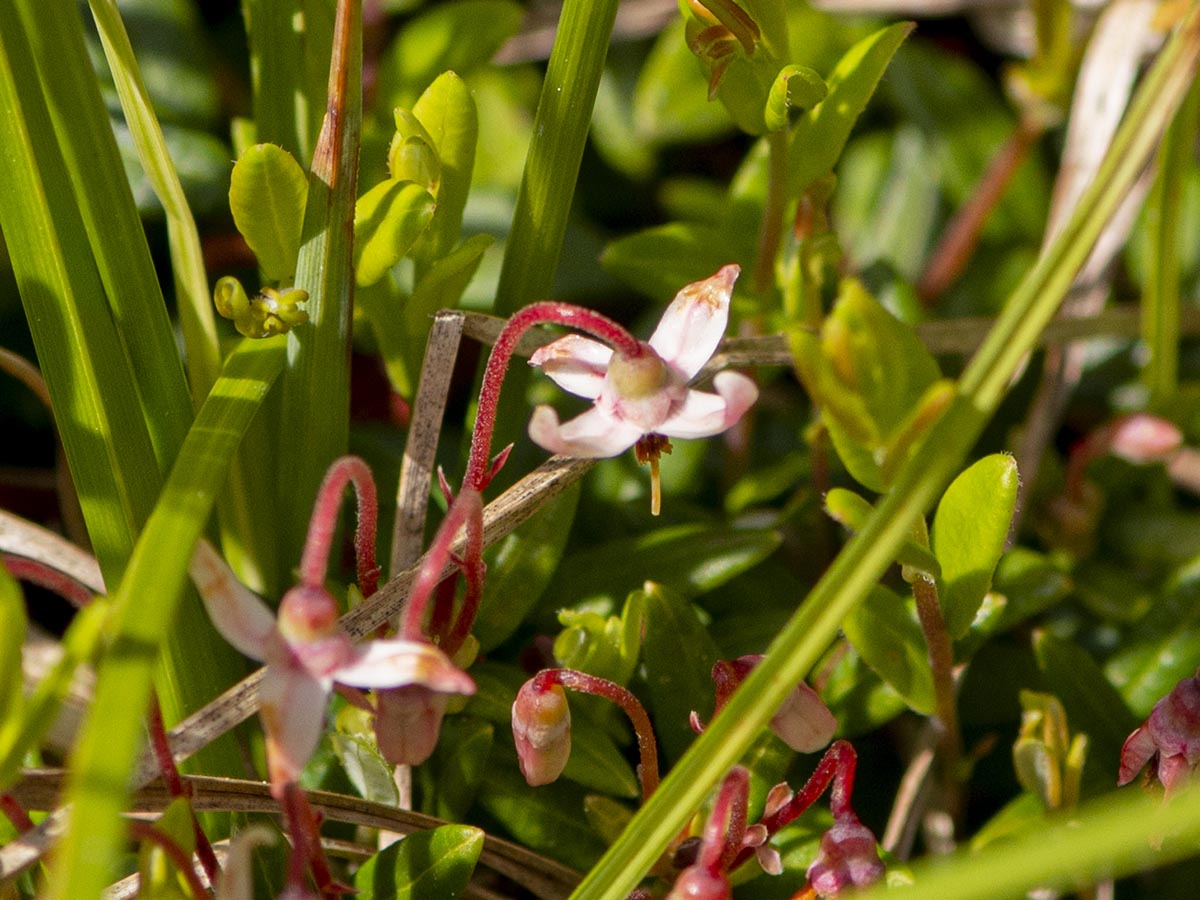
{"x": 771, "y": 233}
{"x": 869, "y": 553}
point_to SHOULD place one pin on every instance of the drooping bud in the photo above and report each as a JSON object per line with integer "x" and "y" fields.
{"x": 804, "y": 722}
{"x": 848, "y": 858}
{"x": 541, "y": 723}
{"x": 1169, "y": 739}
{"x": 699, "y": 883}
{"x": 408, "y": 721}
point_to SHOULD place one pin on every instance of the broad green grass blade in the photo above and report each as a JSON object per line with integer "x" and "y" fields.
{"x": 316, "y": 388}
{"x": 144, "y": 609}
{"x": 191, "y": 282}
{"x": 808, "y": 633}
{"x": 110, "y": 217}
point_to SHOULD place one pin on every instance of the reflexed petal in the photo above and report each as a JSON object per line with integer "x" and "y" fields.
{"x": 236, "y": 881}
{"x": 704, "y": 414}
{"x": 394, "y": 663}
{"x": 1136, "y": 752}
{"x": 293, "y": 714}
{"x": 694, "y": 323}
{"x": 236, "y": 611}
{"x": 803, "y": 722}
{"x": 576, "y": 364}
{"x": 591, "y": 435}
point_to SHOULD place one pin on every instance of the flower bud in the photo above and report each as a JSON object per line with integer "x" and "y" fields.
{"x": 541, "y": 723}
{"x": 1169, "y": 739}
{"x": 848, "y": 858}
{"x": 698, "y": 883}
{"x": 408, "y": 721}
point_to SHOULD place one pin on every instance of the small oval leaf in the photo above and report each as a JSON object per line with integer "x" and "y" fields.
{"x": 885, "y": 632}
{"x": 969, "y": 532}
{"x": 268, "y": 191}
{"x": 388, "y": 219}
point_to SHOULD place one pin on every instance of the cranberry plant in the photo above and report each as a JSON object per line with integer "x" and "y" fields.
{"x": 871, "y": 541}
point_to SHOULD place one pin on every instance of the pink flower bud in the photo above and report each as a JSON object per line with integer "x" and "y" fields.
{"x": 1142, "y": 438}
{"x": 1169, "y": 739}
{"x": 848, "y": 858}
{"x": 699, "y": 883}
{"x": 541, "y": 723}
{"x": 804, "y": 722}
{"x": 408, "y": 721}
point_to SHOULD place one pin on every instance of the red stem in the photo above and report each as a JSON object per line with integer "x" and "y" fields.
{"x": 602, "y": 687}
{"x": 35, "y": 572}
{"x": 144, "y": 831}
{"x": 15, "y": 813}
{"x": 473, "y": 574}
{"x": 550, "y": 311}
{"x": 726, "y": 826}
{"x": 306, "y": 844}
{"x": 315, "y": 559}
{"x": 467, "y": 507}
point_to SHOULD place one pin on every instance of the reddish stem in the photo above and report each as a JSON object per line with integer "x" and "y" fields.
{"x": 161, "y": 747}
{"x": 836, "y": 766}
{"x": 15, "y": 813}
{"x": 144, "y": 831}
{"x": 467, "y": 509}
{"x": 726, "y": 827}
{"x": 315, "y": 558}
{"x": 306, "y": 844}
{"x": 602, "y": 687}
{"x": 473, "y": 573}
{"x": 478, "y": 465}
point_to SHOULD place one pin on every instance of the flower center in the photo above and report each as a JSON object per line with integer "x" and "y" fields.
{"x": 638, "y": 377}
{"x": 307, "y": 614}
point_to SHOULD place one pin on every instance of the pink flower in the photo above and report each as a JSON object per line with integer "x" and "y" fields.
{"x": 306, "y": 651}
{"x": 647, "y": 394}
{"x": 1169, "y": 739}
{"x": 848, "y": 858}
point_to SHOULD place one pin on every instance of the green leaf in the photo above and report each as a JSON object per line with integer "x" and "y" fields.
{"x": 426, "y": 865}
{"x": 267, "y": 194}
{"x": 548, "y": 819}
{"x": 659, "y": 261}
{"x": 459, "y": 765}
{"x": 851, "y": 510}
{"x": 1024, "y": 812}
{"x": 12, "y": 637}
{"x": 689, "y": 559}
{"x": 821, "y": 134}
{"x": 885, "y": 632}
{"x": 969, "y": 531}
{"x": 670, "y": 104}
{"x": 523, "y": 567}
{"x": 412, "y": 154}
{"x": 859, "y": 699}
{"x": 453, "y": 36}
{"x": 447, "y": 110}
{"x": 388, "y": 219}
{"x": 366, "y": 768}
{"x": 677, "y": 659}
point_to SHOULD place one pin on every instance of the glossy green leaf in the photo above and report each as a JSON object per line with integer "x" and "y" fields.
{"x": 523, "y": 567}
{"x": 455, "y": 37}
{"x": 267, "y": 194}
{"x": 1163, "y": 648}
{"x": 547, "y": 819}
{"x": 969, "y": 532}
{"x": 413, "y": 154}
{"x": 366, "y": 768}
{"x": 388, "y": 219}
{"x": 859, "y": 699}
{"x": 1093, "y": 705}
{"x": 604, "y": 646}
{"x": 821, "y": 134}
{"x": 868, "y": 371}
{"x": 426, "y": 865}
{"x": 447, "y": 110}
{"x": 796, "y": 88}
{"x": 1024, "y": 812}
{"x": 689, "y": 559}
{"x": 885, "y": 632}
{"x": 12, "y": 636}
{"x": 677, "y": 659}
{"x": 1032, "y": 582}
{"x": 460, "y": 763}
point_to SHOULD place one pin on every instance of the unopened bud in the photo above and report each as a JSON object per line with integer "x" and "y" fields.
{"x": 541, "y": 723}
{"x": 408, "y": 721}
{"x": 848, "y": 858}
{"x": 698, "y": 883}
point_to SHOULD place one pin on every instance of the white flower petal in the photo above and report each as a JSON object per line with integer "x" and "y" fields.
{"x": 576, "y": 364}
{"x": 592, "y": 435}
{"x": 694, "y": 323}
{"x": 236, "y": 611}
{"x": 293, "y": 715}
{"x": 704, "y": 414}
{"x": 394, "y": 663}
